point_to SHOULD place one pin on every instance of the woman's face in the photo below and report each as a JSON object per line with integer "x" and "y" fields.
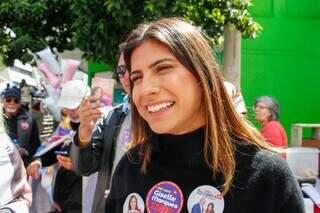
{"x": 165, "y": 93}
{"x": 262, "y": 112}
{"x": 133, "y": 203}
{"x": 72, "y": 113}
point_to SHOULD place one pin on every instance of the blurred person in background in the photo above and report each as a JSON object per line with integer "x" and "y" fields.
{"x": 100, "y": 145}
{"x": 22, "y": 128}
{"x": 68, "y": 185}
{"x": 267, "y": 111}
{"x": 236, "y": 99}
{"x": 15, "y": 193}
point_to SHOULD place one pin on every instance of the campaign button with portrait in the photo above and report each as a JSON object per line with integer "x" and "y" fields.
{"x": 205, "y": 199}
{"x": 133, "y": 204}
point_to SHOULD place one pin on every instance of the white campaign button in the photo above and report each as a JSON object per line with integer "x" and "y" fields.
{"x": 205, "y": 199}
{"x": 133, "y": 204}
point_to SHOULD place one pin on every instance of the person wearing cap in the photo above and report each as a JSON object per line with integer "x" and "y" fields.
{"x": 68, "y": 185}
{"x": 266, "y": 111}
{"x": 21, "y": 126}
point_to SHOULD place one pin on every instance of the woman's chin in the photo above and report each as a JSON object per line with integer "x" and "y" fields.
{"x": 161, "y": 129}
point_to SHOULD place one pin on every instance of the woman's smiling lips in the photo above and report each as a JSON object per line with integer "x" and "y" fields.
{"x": 159, "y": 106}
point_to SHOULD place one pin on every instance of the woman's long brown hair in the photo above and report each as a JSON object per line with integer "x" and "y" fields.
{"x": 224, "y": 128}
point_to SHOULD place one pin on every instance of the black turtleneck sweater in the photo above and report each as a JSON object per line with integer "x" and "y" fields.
{"x": 262, "y": 183}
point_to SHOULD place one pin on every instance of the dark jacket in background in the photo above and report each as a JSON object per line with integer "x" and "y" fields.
{"x": 67, "y": 191}
{"x": 100, "y": 154}
{"x": 23, "y": 130}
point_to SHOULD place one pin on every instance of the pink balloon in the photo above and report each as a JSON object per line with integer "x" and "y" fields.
{"x": 50, "y": 60}
{"x": 69, "y": 67}
{"x": 50, "y": 77}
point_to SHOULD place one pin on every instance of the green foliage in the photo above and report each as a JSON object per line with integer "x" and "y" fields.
{"x": 31, "y": 25}
{"x": 98, "y": 26}
{"x": 1, "y": 63}
{"x": 101, "y": 25}
{"x": 211, "y": 15}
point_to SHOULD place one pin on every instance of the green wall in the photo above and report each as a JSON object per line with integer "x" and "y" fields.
{"x": 284, "y": 61}
{"x": 94, "y": 67}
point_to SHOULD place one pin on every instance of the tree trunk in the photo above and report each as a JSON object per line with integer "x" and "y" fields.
{"x": 232, "y": 55}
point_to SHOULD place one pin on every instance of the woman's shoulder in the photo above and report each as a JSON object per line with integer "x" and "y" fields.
{"x": 261, "y": 159}
{"x": 266, "y": 171}
{"x": 134, "y": 152}
{"x": 127, "y": 172}
{"x": 132, "y": 158}
{"x": 270, "y": 160}
{"x": 273, "y": 124}
{"x": 258, "y": 165}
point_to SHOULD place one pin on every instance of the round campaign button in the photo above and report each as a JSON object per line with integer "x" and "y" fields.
{"x": 165, "y": 196}
{"x": 205, "y": 199}
{"x": 133, "y": 204}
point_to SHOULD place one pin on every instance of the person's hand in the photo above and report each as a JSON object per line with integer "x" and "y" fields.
{"x": 65, "y": 162}
{"x": 89, "y": 113}
{"x": 33, "y": 169}
{"x": 23, "y": 152}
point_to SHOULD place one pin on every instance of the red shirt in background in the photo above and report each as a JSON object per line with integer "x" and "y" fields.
{"x": 274, "y": 133}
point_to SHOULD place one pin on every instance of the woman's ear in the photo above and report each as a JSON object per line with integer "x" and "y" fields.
{"x": 269, "y": 114}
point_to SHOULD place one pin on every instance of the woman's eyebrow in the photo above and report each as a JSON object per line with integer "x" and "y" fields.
{"x": 159, "y": 62}
{"x": 153, "y": 64}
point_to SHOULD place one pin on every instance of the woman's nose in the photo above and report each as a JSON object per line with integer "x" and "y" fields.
{"x": 152, "y": 90}
{"x": 150, "y": 87}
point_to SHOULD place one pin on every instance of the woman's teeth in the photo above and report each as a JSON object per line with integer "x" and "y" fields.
{"x": 158, "y": 107}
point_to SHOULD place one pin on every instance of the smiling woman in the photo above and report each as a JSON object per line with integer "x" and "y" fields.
{"x": 189, "y": 143}
{"x": 165, "y": 93}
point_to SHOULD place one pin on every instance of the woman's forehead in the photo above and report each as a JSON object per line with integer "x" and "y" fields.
{"x": 147, "y": 53}
{"x": 262, "y": 103}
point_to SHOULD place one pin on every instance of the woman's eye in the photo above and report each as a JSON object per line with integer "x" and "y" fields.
{"x": 164, "y": 68}
{"x": 135, "y": 78}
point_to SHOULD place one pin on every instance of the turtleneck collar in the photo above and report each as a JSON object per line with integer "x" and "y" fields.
{"x": 185, "y": 139}
{"x": 181, "y": 150}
